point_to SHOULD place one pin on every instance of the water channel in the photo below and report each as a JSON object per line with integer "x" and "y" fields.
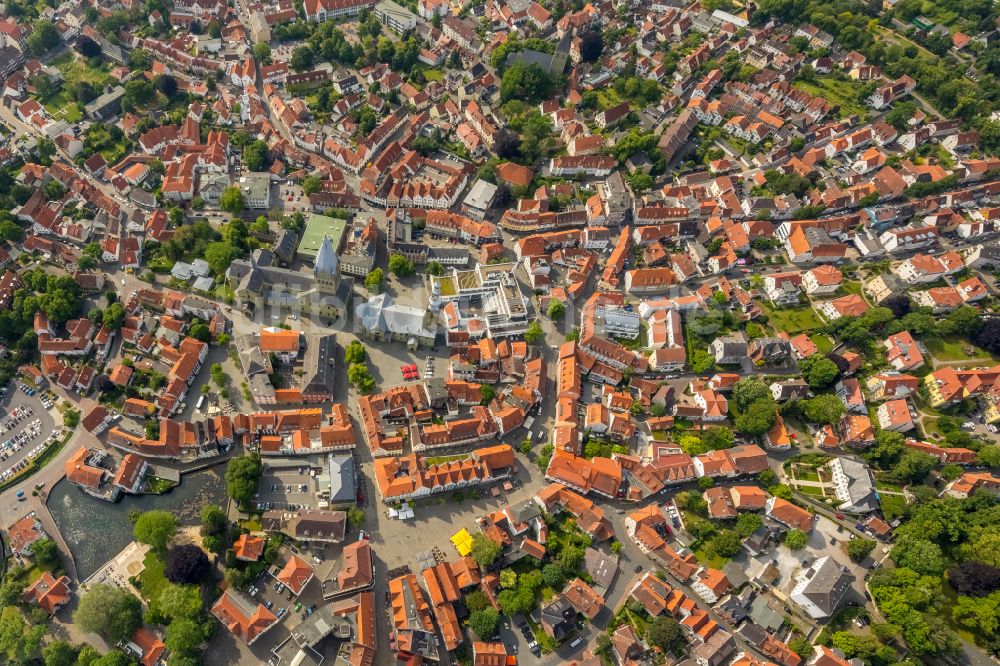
{"x": 96, "y": 530}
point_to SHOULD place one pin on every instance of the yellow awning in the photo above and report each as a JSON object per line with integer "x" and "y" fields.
{"x": 463, "y": 542}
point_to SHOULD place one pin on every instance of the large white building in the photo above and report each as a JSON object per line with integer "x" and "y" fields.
{"x": 256, "y": 190}
{"x": 395, "y": 17}
{"x": 484, "y": 302}
{"x": 820, "y": 587}
{"x": 854, "y": 485}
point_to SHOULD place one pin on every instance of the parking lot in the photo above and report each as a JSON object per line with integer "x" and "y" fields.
{"x": 289, "y": 488}
{"x": 26, "y": 427}
{"x": 293, "y": 198}
{"x": 276, "y": 597}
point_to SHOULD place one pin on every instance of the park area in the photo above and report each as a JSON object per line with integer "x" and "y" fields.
{"x": 792, "y": 320}
{"x": 61, "y": 100}
{"x": 841, "y": 93}
{"x": 953, "y": 348}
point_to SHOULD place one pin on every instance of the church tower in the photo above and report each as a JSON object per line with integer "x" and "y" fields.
{"x": 327, "y": 268}
{"x": 433, "y": 312}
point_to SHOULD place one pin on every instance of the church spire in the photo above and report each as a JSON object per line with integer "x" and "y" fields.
{"x": 326, "y": 259}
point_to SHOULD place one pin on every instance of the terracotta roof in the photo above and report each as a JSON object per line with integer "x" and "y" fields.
{"x": 295, "y": 574}
{"x": 249, "y": 547}
{"x": 789, "y": 514}
{"x": 242, "y": 617}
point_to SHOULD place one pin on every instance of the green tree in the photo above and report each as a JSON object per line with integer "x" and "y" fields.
{"x": 242, "y": 476}
{"x": 529, "y": 83}
{"x": 476, "y": 601}
{"x": 114, "y": 315}
{"x": 219, "y": 255}
{"x": 262, "y": 52}
{"x": 43, "y": 37}
{"x": 106, "y": 610}
{"x": 255, "y": 158}
{"x": 88, "y": 655}
{"x": 914, "y": 466}
{"x": 508, "y": 579}
{"x": 749, "y": 390}
{"x": 359, "y": 377}
{"x": 302, "y": 59}
{"x": 356, "y": 516}
{"x": 155, "y": 528}
{"x": 748, "y": 523}
{"x": 400, "y": 266}
{"x": 701, "y": 361}
{"x": 665, "y": 633}
{"x": 727, "y": 543}
{"x": 355, "y": 352}
{"x": 801, "y": 646}
{"x": 45, "y": 552}
{"x": 796, "y": 539}
{"x": 552, "y": 575}
{"x": 184, "y": 636}
{"x": 825, "y": 408}
{"x": 989, "y": 456}
{"x": 311, "y": 184}
{"x": 10, "y": 231}
{"x": 887, "y": 449}
{"x": 375, "y": 281}
{"x": 485, "y": 551}
{"x": 139, "y": 92}
{"x": 534, "y": 333}
{"x": 555, "y": 310}
{"x": 200, "y": 332}
{"x": 59, "y": 653}
{"x": 781, "y": 490}
{"x": 859, "y": 549}
{"x": 232, "y": 200}
{"x": 176, "y": 602}
{"x": 819, "y": 371}
{"x": 923, "y": 556}
{"x": 718, "y": 438}
{"x": 214, "y": 526}
{"x": 483, "y": 622}
{"x": 758, "y": 417}
{"x": 54, "y": 190}
{"x": 433, "y": 267}
{"x": 487, "y": 393}
{"x": 11, "y": 633}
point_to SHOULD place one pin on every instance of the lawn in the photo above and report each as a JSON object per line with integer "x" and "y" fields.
{"x": 152, "y": 580}
{"x": 61, "y": 107}
{"x": 952, "y": 349}
{"x": 931, "y": 427}
{"x": 439, "y": 460}
{"x": 823, "y": 343}
{"x": 892, "y": 506}
{"x": 608, "y": 98}
{"x": 850, "y": 287}
{"x": 887, "y": 486}
{"x": 639, "y": 342}
{"x": 76, "y": 69}
{"x": 433, "y": 75}
{"x": 806, "y": 476}
{"x": 709, "y": 558}
{"x": 793, "y": 320}
{"x": 840, "y": 93}
{"x": 810, "y": 490}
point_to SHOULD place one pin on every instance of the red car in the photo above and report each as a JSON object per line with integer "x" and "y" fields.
{"x": 840, "y": 516}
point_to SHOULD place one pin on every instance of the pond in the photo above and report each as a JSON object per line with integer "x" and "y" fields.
{"x": 96, "y": 530}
